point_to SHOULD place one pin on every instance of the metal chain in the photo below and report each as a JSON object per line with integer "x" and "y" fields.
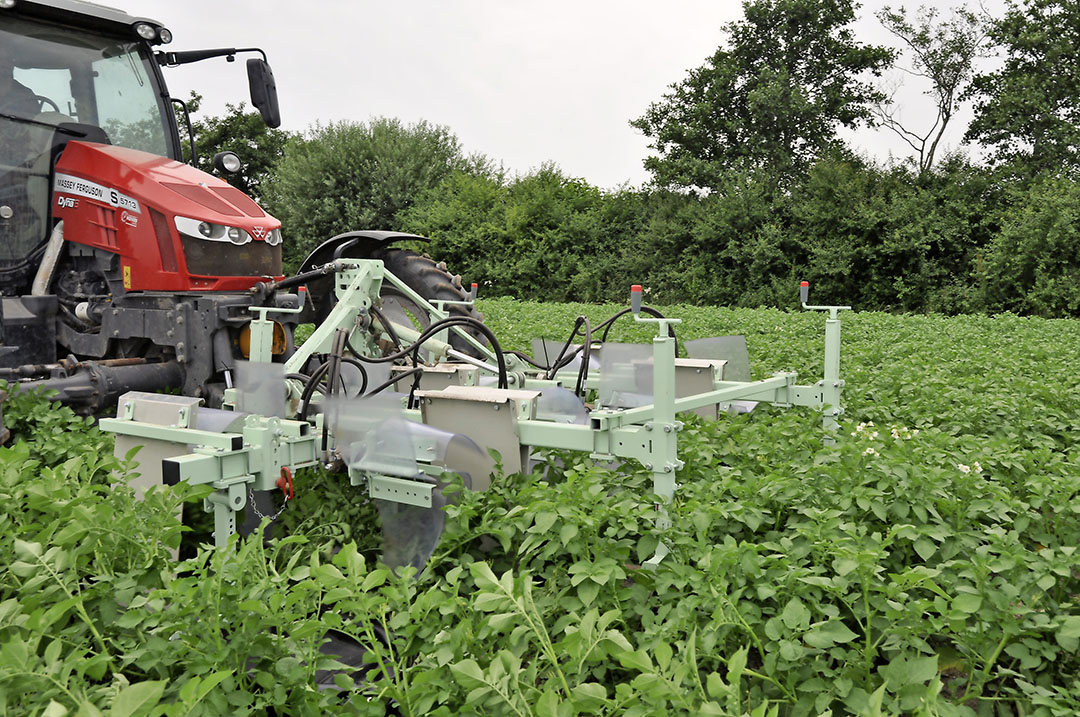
{"x": 251, "y": 502}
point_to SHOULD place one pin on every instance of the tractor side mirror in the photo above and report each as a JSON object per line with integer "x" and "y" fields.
{"x": 264, "y": 91}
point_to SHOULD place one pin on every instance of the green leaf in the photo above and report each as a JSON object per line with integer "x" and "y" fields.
{"x": 543, "y": 521}
{"x": 483, "y": 575}
{"x": 212, "y": 680}
{"x": 54, "y": 709}
{"x": 618, "y": 640}
{"x": 137, "y": 699}
{"x": 967, "y": 602}
{"x": 637, "y": 660}
{"x": 587, "y": 592}
{"x": 189, "y": 689}
{"x": 795, "y": 614}
{"x": 716, "y": 686}
{"x": 374, "y": 579}
{"x": 663, "y": 654}
{"x": 828, "y": 634}
{"x": 290, "y": 668}
{"x": 843, "y": 566}
{"x": 736, "y": 664}
{"x": 468, "y": 674}
{"x": 28, "y": 551}
{"x": 905, "y": 669}
{"x": 88, "y": 709}
{"x": 1068, "y": 635}
{"x": 925, "y": 548}
{"x": 589, "y": 695}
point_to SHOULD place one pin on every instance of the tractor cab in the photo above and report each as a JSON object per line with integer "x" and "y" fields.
{"x": 111, "y": 247}
{"x": 91, "y": 81}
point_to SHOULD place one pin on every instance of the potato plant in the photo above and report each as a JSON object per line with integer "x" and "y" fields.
{"x": 926, "y": 563}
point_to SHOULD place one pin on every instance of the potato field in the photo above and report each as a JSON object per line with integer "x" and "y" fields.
{"x": 926, "y": 563}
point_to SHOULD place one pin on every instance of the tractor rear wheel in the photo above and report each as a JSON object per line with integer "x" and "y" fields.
{"x": 422, "y": 274}
{"x": 430, "y": 280}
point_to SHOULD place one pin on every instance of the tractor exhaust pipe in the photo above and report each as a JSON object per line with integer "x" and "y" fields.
{"x": 91, "y": 386}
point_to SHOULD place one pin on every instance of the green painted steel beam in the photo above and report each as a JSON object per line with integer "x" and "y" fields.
{"x": 222, "y": 441}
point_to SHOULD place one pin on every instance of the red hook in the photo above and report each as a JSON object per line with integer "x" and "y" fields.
{"x": 285, "y": 482}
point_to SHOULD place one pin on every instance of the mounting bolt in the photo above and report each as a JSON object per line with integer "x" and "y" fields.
{"x": 496, "y": 407}
{"x": 667, "y": 428}
{"x": 667, "y": 468}
{"x": 648, "y": 466}
{"x": 648, "y": 426}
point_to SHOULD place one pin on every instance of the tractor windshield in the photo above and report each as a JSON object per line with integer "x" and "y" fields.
{"x": 57, "y": 84}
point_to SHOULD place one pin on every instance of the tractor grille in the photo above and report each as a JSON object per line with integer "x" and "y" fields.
{"x": 218, "y": 258}
{"x": 105, "y": 221}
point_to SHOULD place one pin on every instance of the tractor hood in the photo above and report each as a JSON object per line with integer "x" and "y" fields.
{"x": 174, "y": 227}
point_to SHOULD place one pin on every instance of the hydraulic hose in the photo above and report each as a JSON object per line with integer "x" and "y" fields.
{"x": 606, "y": 325}
{"x": 439, "y": 326}
{"x": 394, "y": 379}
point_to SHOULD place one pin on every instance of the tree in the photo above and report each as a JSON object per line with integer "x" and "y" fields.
{"x": 772, "y": 99}
{"x": 258, "y": 146}
{"x": 543, "y": 235}
{"x": 351, "y": 175}
{"x": 1028, "y": 110}
{"x": 942, "y": 51}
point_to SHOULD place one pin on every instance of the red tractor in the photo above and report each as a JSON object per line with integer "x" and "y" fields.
{"x": 122, "y": 267}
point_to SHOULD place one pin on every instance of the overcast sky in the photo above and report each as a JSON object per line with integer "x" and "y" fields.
{"x": 522, "y": 82}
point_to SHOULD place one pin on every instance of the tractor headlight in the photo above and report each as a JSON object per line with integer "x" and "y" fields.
{"x": 214, "y": 232}
{"x": 146, "y": 31}
{"x": 274, "y": 237}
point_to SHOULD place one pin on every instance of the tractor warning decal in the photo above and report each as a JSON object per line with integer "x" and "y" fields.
{"x": 127, "y": 277}
{"x": 92, "y": 190}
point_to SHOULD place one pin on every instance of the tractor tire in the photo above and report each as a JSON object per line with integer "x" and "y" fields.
{"x": 420, "y": 273}
{"x": 430, "y": 280}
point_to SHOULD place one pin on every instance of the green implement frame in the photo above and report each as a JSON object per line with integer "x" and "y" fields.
{"x": 257, "y": 457}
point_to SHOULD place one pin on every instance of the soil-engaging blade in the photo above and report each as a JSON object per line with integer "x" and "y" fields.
{"x": 626, "y": 375}
{"x": 728, "y": 348}
{"x": 262, "y": 388}
{"x": 374, "y": 438}
{"x": 733, "y": 350}
{"x": 410, "y": 532}
{"x": 560, "y": 405}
